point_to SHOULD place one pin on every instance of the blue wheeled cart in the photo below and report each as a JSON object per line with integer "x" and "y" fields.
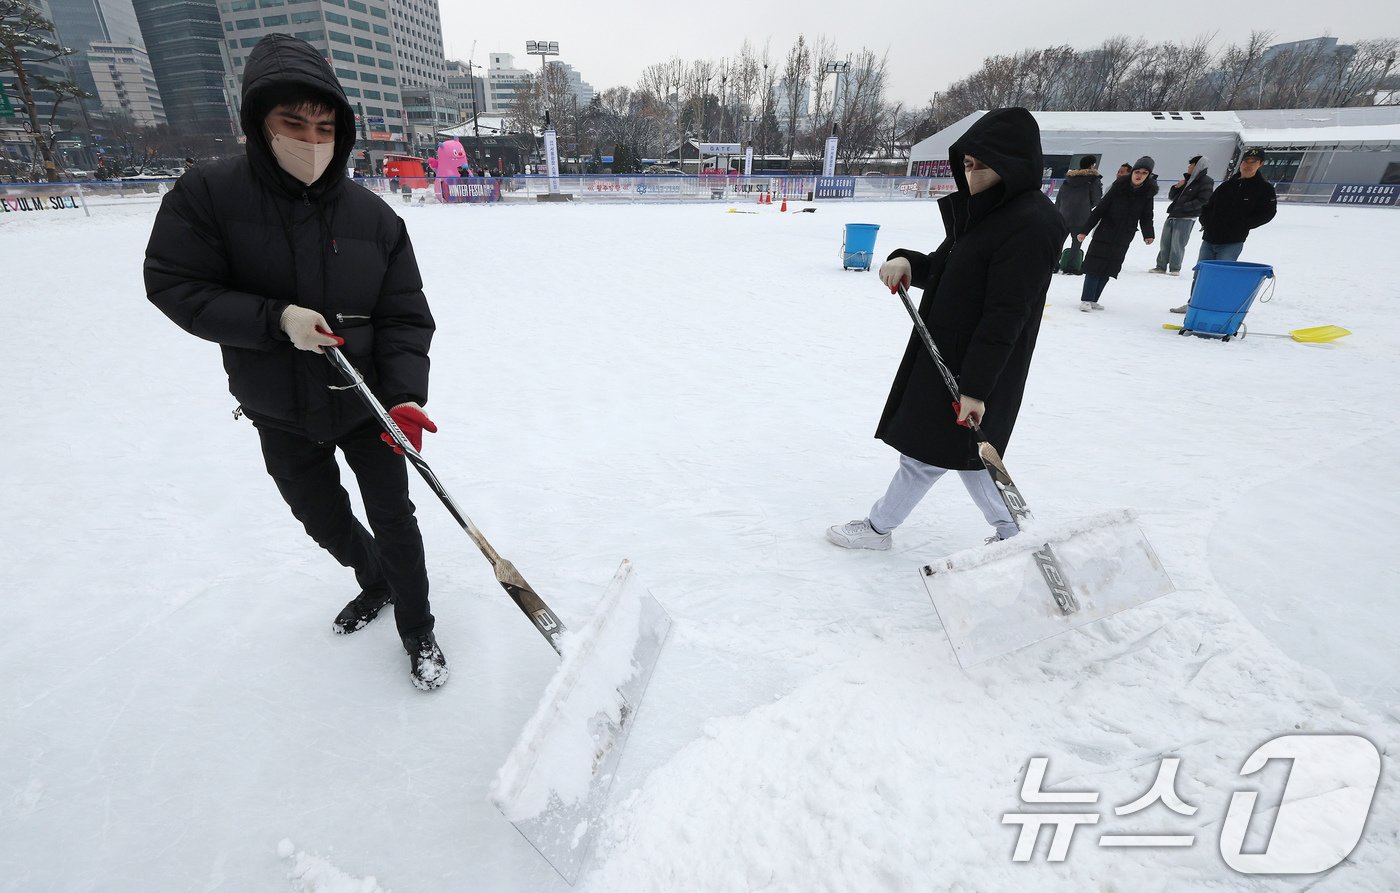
{"x": 1222, "y": 294}
{"x": 858, "y": 246}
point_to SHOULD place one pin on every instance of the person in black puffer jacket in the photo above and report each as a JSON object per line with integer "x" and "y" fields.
{"x": 275, "y": 256}
{"x": 1125, "y": 207}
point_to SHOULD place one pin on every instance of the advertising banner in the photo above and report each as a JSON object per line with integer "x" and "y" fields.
{"x": 551, "y": 159}
{"x": 748, "y": 162}
{"x": 1360, "y": 194}
{"x": 836, "y": 187}
{"x": 829, "y": 162}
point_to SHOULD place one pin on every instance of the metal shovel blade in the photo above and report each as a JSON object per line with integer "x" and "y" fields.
{"x": 994, "y": 600}
{"x": 554, "y": 785}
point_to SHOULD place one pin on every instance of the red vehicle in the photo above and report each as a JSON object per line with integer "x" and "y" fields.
{"x": 409, "y": 170}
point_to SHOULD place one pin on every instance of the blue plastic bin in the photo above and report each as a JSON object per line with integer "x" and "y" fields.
{"x": 1221, "y": 296}
{"x": 858, "y": 246}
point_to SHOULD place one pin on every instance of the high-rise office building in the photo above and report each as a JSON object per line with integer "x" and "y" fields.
{"x": 80, "y": 23}
{"x": 185, "y": 40}
{"x": 418, "y": 42}
{"x": 125, "y": 82}
{"x": 358, "y": 39}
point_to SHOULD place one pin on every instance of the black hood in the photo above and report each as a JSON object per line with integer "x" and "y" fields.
{"x": 280, "y": 59}
{"x": 1007, "y": 141}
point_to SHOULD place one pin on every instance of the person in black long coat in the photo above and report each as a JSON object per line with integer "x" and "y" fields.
{"x": 268, "y": 255}
{"x": 1125, "y": 207}
{"x": 984, "y": 292}
{"x": 1079, "y": 193}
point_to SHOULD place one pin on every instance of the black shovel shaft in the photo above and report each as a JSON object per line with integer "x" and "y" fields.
{"x": 524, "y": 596}
{"x": 1045, "y": 558}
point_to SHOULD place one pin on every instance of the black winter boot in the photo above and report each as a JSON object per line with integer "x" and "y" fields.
{"x": 427, "y": 668}
{"x": 361, "y": 610}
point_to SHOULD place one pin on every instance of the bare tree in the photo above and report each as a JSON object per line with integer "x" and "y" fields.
{"x": 1242, "y": 68}
{"x": 797, "y": 73}
{"x": 27, "y": 38}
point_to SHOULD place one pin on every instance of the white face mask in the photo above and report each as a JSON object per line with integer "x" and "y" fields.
{"x": 305, "y": 161}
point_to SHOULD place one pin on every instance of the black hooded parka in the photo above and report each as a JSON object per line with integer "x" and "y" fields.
{"x": 236, "y": 241}
{"x": 1125, "y": 208}
{"x": 984, "y": 292}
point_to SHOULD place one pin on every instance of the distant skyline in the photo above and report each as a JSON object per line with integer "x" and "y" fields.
{"x": 928, "y": 47}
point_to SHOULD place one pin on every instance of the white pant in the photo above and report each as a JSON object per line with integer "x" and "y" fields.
{"x": 913, "y": 480}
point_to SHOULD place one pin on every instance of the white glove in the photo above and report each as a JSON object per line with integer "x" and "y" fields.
{"x": 301, "y": 326}
{"x": 894, "y": 272}
{"x": 970, "y": 408}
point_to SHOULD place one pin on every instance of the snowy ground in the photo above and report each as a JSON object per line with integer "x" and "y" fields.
{"x": 694, "y": 390}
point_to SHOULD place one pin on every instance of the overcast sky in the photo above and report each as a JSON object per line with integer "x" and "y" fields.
{"x": 929, "y": 44}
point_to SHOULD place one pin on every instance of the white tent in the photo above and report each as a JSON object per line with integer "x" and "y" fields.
{"x": 1345, "y": 145}
{"x": 1117, "y": 137}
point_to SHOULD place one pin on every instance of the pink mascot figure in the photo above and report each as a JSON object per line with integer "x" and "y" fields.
{"x": 450, "y": 157}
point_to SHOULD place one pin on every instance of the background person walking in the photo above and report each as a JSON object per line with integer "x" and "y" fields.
{"x": 1188, "y": 196}
{"x": 1079, "y": 193}
{"x": 1126, "y": 207}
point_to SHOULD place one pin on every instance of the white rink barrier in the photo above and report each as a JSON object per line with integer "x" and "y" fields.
{"x": 87, "y": 196}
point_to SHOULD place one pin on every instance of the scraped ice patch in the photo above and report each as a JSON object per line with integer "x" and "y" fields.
{"x": 312, "y": 874}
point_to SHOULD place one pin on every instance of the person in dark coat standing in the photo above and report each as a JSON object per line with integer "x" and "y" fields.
{"x": 260, "y": 254}
{"x": 1244, "y": 202}
{"x": 984, "y": 292}
{"x": 1125, "y": 207}
{"x": 1079, "y": 193}
{"x": 1188, "y": 196}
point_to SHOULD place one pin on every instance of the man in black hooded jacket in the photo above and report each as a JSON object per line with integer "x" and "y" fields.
{"x": 275, "y": 256}
{"x": 984, "y": 292}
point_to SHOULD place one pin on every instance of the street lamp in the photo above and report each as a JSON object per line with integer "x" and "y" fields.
{"x": 839, "y": 68}
{"x": 544, "y": 49}
{"x": 763, "y": 118}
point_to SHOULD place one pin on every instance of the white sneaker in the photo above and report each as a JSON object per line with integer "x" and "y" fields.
{"x": 858, "y": 535}
{"x": 1155, "y": 270}
{"x": 1182, "y": 309}
{"x": 1096, "y": 305}
{"x": 1174, "y": 273}
{"x": 1086, "y": 306}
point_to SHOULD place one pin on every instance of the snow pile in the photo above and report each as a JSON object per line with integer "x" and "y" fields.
{"x": 312, "y": 874}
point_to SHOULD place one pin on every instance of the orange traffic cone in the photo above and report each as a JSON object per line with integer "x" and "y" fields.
{"x": 760, "y": 198}
{"x": 784, "y": 207}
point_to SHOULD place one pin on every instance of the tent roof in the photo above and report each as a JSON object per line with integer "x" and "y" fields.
{"x": 489, "y": 125}
{"x": 1370, "y": 134}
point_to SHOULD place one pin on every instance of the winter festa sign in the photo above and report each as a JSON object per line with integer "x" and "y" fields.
{"x": 22, "y": 203}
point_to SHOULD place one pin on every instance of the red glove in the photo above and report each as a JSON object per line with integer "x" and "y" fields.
{"x": 412, "y": 422}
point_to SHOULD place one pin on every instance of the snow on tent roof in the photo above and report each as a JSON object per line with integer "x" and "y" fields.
{"x": 1372, "y": 135}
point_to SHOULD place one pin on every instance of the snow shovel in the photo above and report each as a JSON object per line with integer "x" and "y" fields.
{"x": 1046, "y": 581}
{"x": 1314, "y": 335}
{"x": 556, "y": 780}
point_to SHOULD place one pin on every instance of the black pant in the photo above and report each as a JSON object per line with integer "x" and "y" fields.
{"x": 308, "y": 478}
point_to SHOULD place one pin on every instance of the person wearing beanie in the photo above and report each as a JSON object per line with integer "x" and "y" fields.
{"x": 1080, "y": 191}
{"x": 983, "y": 297}
{"x": 275, "y": 255}
{"x": 1126, "y": 207}
{"x": 1241, "y": 204}
{"x": 1188, "y": 196}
